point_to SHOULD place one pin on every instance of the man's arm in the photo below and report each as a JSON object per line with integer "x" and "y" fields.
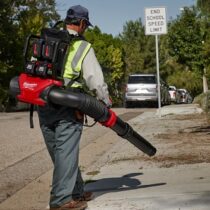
{"x": 93, "y": 76}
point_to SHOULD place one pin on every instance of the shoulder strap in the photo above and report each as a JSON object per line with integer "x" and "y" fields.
{"x": 31, "y": 115}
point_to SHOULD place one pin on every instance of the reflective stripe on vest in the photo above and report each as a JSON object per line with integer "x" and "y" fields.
{"x": 73, "y": 66}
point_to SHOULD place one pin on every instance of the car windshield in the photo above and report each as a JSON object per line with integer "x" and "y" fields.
{"x": 142, "y": 79}
{"x": 181, "y": 91}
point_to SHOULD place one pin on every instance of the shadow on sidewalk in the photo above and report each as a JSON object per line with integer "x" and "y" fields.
{"x": 117, "y": 184}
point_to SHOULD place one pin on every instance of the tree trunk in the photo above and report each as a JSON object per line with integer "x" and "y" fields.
{"x": 205, "y": 84}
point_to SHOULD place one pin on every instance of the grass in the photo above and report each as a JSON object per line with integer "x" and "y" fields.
{"x": 93, "y": 173}
{"x": 204, "y": 101}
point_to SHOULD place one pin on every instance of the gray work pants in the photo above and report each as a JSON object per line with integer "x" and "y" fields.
{"x": 62, "y": 140}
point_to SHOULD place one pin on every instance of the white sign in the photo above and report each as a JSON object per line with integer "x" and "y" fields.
{"x": 155, "y": 21}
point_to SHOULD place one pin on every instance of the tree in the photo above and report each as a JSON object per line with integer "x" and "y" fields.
{"x": 139, "y": 50}
{"x": 33, "y": 15}
{"x": 204, "y": 18}
{"x": 185, "y": 38}
{"x": 132, "y": 43}
{"x": 7, "y": 39}
{"x": 204, "y": 7}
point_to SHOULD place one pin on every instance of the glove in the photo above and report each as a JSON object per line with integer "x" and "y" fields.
{"x": 79, "y": 116}
{"x": 107, "y": 103}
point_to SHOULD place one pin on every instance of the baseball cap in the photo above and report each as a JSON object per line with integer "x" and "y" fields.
{"x": 78, "y": 12}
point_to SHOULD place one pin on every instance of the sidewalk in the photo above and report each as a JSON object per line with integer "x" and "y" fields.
{"x": 126, "y": 179}
{"x": 127, "y": 184}
{"x": 180, "y": 109}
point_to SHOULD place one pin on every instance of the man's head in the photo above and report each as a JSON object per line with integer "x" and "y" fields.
{"x": 78, "y": 16}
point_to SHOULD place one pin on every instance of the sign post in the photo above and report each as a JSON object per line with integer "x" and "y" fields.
{"x": 155, "y": 24}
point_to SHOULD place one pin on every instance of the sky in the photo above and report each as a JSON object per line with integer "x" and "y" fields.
{"x": 111, "y": 15}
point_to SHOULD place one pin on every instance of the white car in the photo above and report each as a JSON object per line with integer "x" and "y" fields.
{"x": 172, "y": 92}
{"x": 142, "y": 88}
{"x": 183, "y": 96}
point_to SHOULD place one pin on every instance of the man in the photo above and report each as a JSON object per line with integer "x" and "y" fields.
{"x": 62, "y": 126}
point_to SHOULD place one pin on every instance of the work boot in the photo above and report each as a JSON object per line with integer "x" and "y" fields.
{"x": 87, "y": 196}
{"x": 73, "y": 205}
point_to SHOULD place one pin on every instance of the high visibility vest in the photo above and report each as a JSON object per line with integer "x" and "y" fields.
{"x": 72, "y": 69}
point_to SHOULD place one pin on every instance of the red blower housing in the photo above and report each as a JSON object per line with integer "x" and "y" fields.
{"x": 31, "y": 88}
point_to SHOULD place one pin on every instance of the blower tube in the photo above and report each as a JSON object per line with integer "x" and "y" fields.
{"x": 98, "y": 111}
{"x": 89, "y": 106}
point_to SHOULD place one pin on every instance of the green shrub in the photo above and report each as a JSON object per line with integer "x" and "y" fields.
{"x": 204, "y": 101}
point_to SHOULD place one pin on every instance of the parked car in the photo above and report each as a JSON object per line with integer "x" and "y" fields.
{"x": 172, "y": 92}
{"x": 183, "y": 96}
{"x": 143, "y": 88}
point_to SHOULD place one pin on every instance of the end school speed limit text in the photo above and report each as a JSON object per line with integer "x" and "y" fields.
{"x": 155, "y": 19}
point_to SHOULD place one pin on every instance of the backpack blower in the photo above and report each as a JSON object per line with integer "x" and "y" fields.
{"x": 41, "y": 83}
